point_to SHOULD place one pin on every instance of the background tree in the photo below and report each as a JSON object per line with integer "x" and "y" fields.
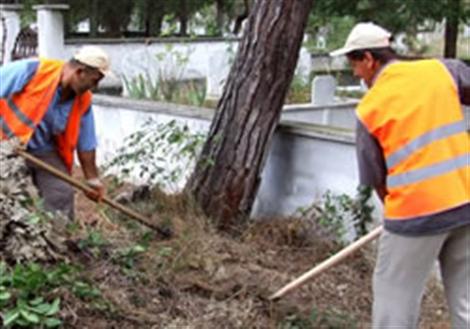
{"x": 183, "y": 10}
{"x": 150, "y": 14}
{"x": 410, "y": 17}
{"x": 227, "y": 175}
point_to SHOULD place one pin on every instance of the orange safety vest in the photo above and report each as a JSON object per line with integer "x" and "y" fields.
{"x": 23, "y": 111}
{"x": 413, "y": 110}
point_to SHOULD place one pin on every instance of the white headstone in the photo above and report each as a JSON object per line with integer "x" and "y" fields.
{"x": 323, "y": 90}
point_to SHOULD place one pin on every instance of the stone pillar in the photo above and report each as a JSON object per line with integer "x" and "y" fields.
{"x": 9, "y": 29}
{"x": 323, "y": 90}
{"x": 51, "y": 30}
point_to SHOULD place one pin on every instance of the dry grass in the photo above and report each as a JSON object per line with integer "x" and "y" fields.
{"x": 201, "y": 278}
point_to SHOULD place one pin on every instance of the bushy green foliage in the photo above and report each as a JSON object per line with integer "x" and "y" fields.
{"x": 93, "y": 243}
{"x": 27, "y": 296}
{"x": 328, "y": 319}
{"x": 299, "y": 90}
{"x": 170, "y": 84}
{"x": 126, "y": 257}
{"x": 160, "y": 154}
{"x": 29, "y": 293}
{"x": 341, "y": 213}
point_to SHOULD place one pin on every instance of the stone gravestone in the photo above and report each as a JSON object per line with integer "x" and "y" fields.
{"x": 323, "y": 90}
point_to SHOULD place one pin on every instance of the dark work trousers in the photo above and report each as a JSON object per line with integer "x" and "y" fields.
{"x": 57, "y": 194}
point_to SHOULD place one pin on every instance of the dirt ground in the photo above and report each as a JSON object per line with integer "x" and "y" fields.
{"x": 201, "y": 278}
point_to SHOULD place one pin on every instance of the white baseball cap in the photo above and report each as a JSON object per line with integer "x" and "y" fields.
{"x": 94, "y": 57}
{"x": 364, "y": 36}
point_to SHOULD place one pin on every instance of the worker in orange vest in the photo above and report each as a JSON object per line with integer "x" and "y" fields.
{"x": 413, "y": 147}
{"x": 46, "y": 104}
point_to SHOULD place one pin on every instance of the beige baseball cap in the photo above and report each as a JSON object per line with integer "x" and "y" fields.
{"x": 364, "y": 36}
{"x": 94, "y": 57}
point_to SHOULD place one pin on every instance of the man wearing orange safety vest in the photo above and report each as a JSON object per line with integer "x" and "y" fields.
{"x": 46, "y": 104}
{"x": 413, "y": 147}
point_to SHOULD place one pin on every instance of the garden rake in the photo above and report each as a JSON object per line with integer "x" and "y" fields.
{"x": 79, "y": 185}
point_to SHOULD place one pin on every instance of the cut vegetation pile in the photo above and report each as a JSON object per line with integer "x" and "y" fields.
{"x": 122, "y": 275}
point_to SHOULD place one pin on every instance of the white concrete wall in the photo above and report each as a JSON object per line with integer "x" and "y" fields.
{"x": 304, "y": 163}
{"x": 339, "y": 115}
{"x": 9, "y": 29}
{"x": 209, "y": 59}
{"x": 308, "y": 156}
{"x": 305, "y": 160}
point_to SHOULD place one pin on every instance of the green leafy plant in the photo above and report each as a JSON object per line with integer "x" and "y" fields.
{"x": 127, "y": 257}
{"x": 84, "y": 290}
{"x": 141, "y": 87}
{"x": 170, "y": 84}
{"x": 28, "y": 295}
{"x": 325, "y": 319}
{"x": 94, "y": 242}
{"x": 172, "y": 67}
{"x": 93, "y": 239}
{"x": 196, "y": 94}
{"x": 160, "y": 154}
{"x": 24, "y": 295}
{"x": 339, "y": 214}
{"x": 331, "y": 319}
{"x": 299, "y": 90}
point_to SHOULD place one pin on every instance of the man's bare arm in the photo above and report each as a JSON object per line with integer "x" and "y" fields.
{"x": 88, "y": 162}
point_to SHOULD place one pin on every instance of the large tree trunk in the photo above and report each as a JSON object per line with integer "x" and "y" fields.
{"x": 452, "y": 30}
{"x": 227, "y": 176}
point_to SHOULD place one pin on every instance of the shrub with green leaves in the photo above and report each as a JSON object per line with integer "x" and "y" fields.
{"x": 25, "y": 298}
{"x": 28, "y": 295}
{"x": 159, "y": 154}
{"x": 127, "y": 257}
{"x": 325, "y": 319}
{"x": 170, "y": 85}
{"x": 342, "y": 214}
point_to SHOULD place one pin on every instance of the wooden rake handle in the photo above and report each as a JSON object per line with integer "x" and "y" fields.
{"x": 85, "y": 188}
{"x": 328, "y": 263}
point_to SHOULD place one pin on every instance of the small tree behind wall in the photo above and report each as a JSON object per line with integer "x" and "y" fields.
{"x": 227, "y": 175}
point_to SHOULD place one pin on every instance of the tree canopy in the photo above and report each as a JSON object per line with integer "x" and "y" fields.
{"x": 409, "y": 17}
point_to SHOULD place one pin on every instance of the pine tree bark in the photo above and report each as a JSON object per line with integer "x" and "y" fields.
{"x": 228, "y": 173}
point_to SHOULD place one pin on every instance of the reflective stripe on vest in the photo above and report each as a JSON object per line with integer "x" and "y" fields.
{"x": 5, "y": 130}
{"x": 20, "y": 117}
{"x": 427, "y": 172}
{"x": 413, "y": 110}
{"x": 423, "y": 140}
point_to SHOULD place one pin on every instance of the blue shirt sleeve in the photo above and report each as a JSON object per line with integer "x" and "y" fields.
{"x": 15, "y": 75}
{"x": 87, "y": 138}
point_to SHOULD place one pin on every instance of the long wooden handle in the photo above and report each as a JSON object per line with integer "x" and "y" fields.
{"x": 328, "y": 263}
{"x": 79, "y": 185}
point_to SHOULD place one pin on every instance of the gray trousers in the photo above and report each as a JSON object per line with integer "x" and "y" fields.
{"x": 57, "y": 194}
{"x": 403, "y": 266}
